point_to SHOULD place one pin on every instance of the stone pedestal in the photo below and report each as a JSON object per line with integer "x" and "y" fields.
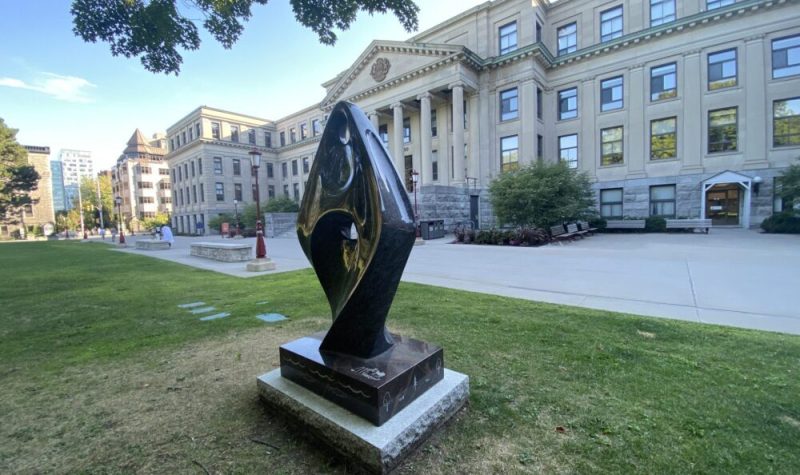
{"x": 260, "y": 265}
{"x": 152, "y": 245}
{"x": 419, "y": 241}
{"x": 374, "y": 449}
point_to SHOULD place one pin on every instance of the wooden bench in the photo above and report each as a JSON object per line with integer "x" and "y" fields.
{"x": 573, "y": 229}
{"x": 558, "y": 233}
{"x": 584, "y": 226}
{"x": 220, "y": 251}
{"x": 625, "y": 224}
{"x": 152, "y": 245}
{"x": 703, "y": 224}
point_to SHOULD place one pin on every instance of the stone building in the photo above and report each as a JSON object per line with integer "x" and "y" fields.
{"x": 141, "y": 178}
{"x": 678, "y": 108}
{"x": 40, "y": 213}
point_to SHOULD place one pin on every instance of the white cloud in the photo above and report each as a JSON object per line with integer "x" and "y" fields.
{"x": 63, "y": 88}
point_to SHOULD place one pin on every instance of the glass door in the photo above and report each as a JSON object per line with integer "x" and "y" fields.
{"x": 723, "y": 205}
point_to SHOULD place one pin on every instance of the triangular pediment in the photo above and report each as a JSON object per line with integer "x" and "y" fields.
{"x": 727, "y": 177}
{"x": 387, "y": 62}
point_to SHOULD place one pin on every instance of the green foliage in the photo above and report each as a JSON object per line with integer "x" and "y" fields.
{"x": 156, "y": 29}
{"x": 17, "y": 178}
{"x": 784, "y": 223}
{"x": 215, "y": 223}
{"x": 89, "y": 199}
{"x": 655, "y": 224}
{"x": 159, "y": 220}
{"x": 282, "y": 205}
{"x": 542, "y": 194}
{"x": 598, "y": 223}
{"x": 790, "y": 185}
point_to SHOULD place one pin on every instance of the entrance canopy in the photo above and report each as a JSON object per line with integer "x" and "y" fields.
{"x": 733, "y": 178}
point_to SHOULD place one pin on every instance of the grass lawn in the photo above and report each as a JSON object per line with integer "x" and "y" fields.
{"x": 100, "y": 371}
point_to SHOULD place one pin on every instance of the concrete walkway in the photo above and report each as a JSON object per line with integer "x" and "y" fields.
{"x": 731, "y": 276}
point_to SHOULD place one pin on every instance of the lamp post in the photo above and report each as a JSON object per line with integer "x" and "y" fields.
{"x": 414, "y": 182}
{"x": 236, "y": 212}
{"x": 261, "y": 262}
{"x": 118, "y": 201}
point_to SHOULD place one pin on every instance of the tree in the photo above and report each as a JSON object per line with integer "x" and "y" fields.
{"x": 790, "y": 186}
{"x": 282, "y": 205}
{"x": 156, "y": 29}
{"x": 541, "y": 195}
{"x": 17, "y": 178}
{"x": 89, "y": 188}
{"x": 159, "y": 220}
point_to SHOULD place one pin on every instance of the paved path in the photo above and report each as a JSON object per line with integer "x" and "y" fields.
{"x": 730, "y": 276}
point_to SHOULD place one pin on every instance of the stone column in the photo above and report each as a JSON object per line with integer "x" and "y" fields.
{"x": 692, "y": 100}
{"x": 458, "y": 133}
{"x": 373, "y": 117}
{"x": 425, "y": 138}
{"x": 397, "y": 139}
{"x": 588, "y": 136}
{"x": 529, "y": 127}
{"x": 753, "y": 119}
{"x": 637, "y": 129}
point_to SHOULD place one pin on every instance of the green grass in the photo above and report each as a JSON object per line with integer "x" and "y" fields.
{"x": 101, "y": 372}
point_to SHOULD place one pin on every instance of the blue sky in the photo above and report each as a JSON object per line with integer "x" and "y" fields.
{"x": 64, "y": 93}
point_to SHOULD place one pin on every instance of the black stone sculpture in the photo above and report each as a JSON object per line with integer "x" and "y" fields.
{"x": 356, "y": 226}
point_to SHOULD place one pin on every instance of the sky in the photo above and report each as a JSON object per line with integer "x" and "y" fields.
{"x": 66, "y": 94}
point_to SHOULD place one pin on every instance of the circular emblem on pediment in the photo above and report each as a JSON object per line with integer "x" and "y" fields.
{"x": 380, "y": 68}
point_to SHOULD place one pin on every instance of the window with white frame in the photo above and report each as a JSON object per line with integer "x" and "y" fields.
{"x": 662, "y": 201}
{"x": 568, "y": 103}
{"x": 611, "y": 203}
{"x": 786, "y": 122}
{"x": 509, "y": 153}
{"x": 722, "y": 130}
{"x": 786, "y": 57}
{"x": 661, "y": 11}
{"x": 508, "y": 37}
{"x": 567, "y": 39}
{"x": 664, "y": 138}
{"x": 611, "y": 94}
{"x": 217, "y": 165}
{"x": 722, "y": 69}
{"x": 611, "y": 146}
{"x": 663, "y": 82}
{"x": 611, "y": 24}
{"x": 215, "y": 130}
{"x": 568, "y": 150}
{"x": 219, "y": 189}
{"x": 509, "y": 105}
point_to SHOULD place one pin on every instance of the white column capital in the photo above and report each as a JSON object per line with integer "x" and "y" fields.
{"x": 454, "y": 85}
{"x": 424, "y": 95}
{"x": 397, "y": 105}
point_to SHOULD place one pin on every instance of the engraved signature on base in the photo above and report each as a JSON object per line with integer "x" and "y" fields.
{"x": 373, "y": 374}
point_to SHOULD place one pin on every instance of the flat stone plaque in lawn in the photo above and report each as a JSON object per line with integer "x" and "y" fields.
{"x": 271, "y": 317}
{"x": 191, "y": 305}
{"x": 215, "y": 316}
{"x": 203, "y": 310}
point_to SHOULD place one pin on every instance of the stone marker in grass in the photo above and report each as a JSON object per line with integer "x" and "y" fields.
{"x": 202, "y": 310}
{"x": 191, "y": 305}
{"x": 271, "y": 317}
{"x": 215, "y": 316}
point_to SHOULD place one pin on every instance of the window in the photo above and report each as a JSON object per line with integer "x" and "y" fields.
{"x": 219, "y": 188}
{"x": 186, "y": 171}
{"x": 567, "y": 39}
{"x": 183, "y": 134}
{"x": 200, "y": 166}
{"x": 539, "y": 148}
{"x": 237, "y": 167}
{"x": 568, "y": 104}
{"x": 303, "y": 131}
{"x": 508, "y": 38}
{"x": 611, "y": 146}
{"x": 145, "y": 170}
{"x": 712, "y": 4}
{"x": 611, "y": 203}
{"x": 306, "y": 164}
{"x": 215, "y": 130}
{"x": 661, "y": 11}
{"x": 163, "y": 171}
{"x": 611, "y": 24}
{"x": 539, "y": 111}
{"x": 166, "y": 200}
{"x": 294, "y": 167}
{"x": 171, "y": 144}
{"x": 268, "y": 139}
{"x": 286, "y": 191}
{"x": 181, "y": 196}
{"x": 538, "y": 32}
{"x": 509, "y": 106}
{"x": 284, "y": 170}
{"x": 197, "y": 130}
{"x": 434, "y": 131}
{"x": 270, "y": 171}
{"x": 383, "y": 131}
{"x": 722, "y": 130}
{"x": 568, "y": 150}
{"x": 786, "y": 122}
{"x": 270, "y": 191}
{"x": 664, "y": 138}
{"x": 296, "y": 191}
{"x": 434, "y": 165}
{"x": 144, "y": 184}
{"x": 406, "y": 130}
{"x": 146, "y": 199}
{"x": 190, "y": 134}
{"x": 164, "y": 185}
{"x": 663, "y": 82}
{"x": 293, "y": 135}
{"x": 194, "y": 193}
{"x": 786, "y": 57}
{"x": 234, "y": 133}
{"x": 283, "y": 138}
{"x": 662, "y": 201}
{"x": 722, "y": 69}
{"x": 237, "y": 191}
{"x": 217, "y": 165}
{"x": 316, "y": 129}
{"x": 254, "y": 192}
{"x": 251, "y": 136}
{"x": 202, "y": 193}
{"x": 509, "y": 153}
{"x": 611, "y": 94}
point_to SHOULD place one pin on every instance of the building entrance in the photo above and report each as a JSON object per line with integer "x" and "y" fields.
{"x": 723, "y": 204}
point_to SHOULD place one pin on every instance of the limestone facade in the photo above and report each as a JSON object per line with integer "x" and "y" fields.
{"x": 40, "y": 212}
{"x": 658, "y": 101}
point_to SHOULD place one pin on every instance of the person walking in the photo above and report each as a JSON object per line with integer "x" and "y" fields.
{"x": 103, "y": 234}
{"x": 166, "y": 234}
{"x": 113, "y": 234}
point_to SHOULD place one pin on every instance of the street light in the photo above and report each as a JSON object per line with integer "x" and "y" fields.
{"x": 262, "y": 262}
{"x": 414, "y": 181}
{"x": 236, "y": 211}
{"x": 118, "y": 201}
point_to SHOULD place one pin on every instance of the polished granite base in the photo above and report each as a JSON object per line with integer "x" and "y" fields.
{"x": 373, "y": 449}
{"x": 376, "y": 388}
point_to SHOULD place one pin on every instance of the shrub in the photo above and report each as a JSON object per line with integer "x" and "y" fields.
{"x": 216, "y": 222}
{"x": 541, "y": 194}
{"x": 598, "y": 223}
{"x": 655, "y": 224}
{"x": 784, "y": 223}
{"x": 281, "y": 205}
